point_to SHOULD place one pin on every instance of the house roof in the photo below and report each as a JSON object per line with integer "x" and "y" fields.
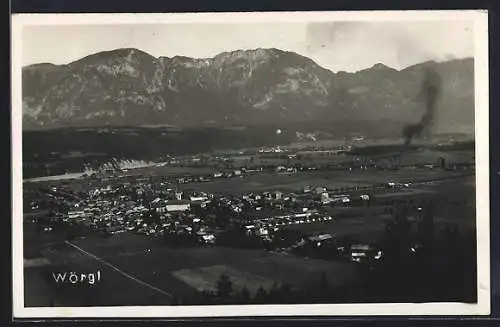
{"x": 322, "y": 237}
{"x": 362, "y": 247}
{"x": 177, "y": 202}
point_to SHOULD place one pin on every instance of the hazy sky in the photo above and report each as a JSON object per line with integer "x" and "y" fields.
{"x": 347, "y": 46}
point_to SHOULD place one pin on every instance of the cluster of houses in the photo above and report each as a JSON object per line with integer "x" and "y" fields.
{"x": 354, "y": 252}
{"x": 154, "y": 209}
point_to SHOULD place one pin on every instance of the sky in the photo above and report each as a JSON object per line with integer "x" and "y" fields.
{"x": 338, "y": 46}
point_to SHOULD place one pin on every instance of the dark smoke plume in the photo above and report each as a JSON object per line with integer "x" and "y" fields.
{"x": 430, "y": 92}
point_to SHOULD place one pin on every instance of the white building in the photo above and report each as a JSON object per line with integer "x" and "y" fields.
{"x": 365, "y": 197}
{"x": 174, "y": 206}
{"x": 198, "y": 198}
{"x": 325, "y": 197}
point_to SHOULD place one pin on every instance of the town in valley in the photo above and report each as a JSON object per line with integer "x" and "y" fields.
{"x": 267, "y": 220}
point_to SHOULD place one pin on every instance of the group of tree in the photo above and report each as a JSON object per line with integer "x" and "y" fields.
{"x": 226, "y": 292}
{"x": 420, "y": 263}
{"x": 238, "y": 237}
{"x": 174, "y": 238}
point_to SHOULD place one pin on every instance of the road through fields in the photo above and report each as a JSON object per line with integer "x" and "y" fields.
{"x": 119, "y": 270}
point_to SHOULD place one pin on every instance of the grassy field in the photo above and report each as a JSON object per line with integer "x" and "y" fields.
{"x": 168, "y": 259}
{"x": 172, "y": 171}
{"x": 432, "y": 156}
{"x": 271, "y": 181}
{"x": 205, "y": 278}
{"x": 365, "y": 229}
{"x": 200, "y": 268}
{"x": 41, "y": 289}
{"x": 178, "y": 271}
{"x": 329, "y": 179}
{"x": 456, "y": 204}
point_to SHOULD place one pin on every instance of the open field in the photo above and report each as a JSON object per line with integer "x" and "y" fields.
{"x": 363, "y": 229}
{"x": 163, "y": 170}
{"x": 273, "y": 181}
{"x": 58, "y": 257}
{"x": 329, "y": 179}
{"x": 174, "y": 271}
{"x": 290, "y": 269}
{"x": 54, "y": 177}
{"x": 238, "y": 262}
{"x": 205, "y": 278}
{"x": 35, "y": 241}
{"x": 432, "y": 156}
{"x": 112, "y": 289}
{"x": 366, "y": 224}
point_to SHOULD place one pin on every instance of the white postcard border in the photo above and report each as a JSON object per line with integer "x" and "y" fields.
{"x": 480, "y": 19}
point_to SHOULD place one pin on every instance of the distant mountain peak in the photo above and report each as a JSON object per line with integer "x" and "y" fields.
{"x": 257, "y": 51}
{"x": 250, "y": 54}
{"x": 41, "y": 65}
{"x": 124, "y": 52}
{"x": 381, "y": 66}
{"x": 115, "y": 54}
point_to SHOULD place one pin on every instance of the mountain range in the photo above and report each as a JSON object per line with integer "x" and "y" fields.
{"x": 128, "y": 87}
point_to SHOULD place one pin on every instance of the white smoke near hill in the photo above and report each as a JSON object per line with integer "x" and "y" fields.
{"x": 119, "y": 164}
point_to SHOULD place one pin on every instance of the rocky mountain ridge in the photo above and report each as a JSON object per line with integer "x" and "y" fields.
{"x": 131, "y": 87}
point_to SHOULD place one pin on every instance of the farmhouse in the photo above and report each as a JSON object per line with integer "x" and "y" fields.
{"x": 319, "y": 240}
{"x": 360, "y": 252}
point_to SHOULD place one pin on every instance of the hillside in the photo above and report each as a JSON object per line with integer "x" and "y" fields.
{"x": 130, "y": 87}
